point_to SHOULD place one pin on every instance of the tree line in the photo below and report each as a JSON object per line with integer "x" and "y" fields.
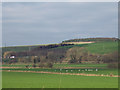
{"x": 47, "y": 57}
{"x": 92, "y": 39}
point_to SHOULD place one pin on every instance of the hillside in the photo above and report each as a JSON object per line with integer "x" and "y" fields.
{"x": 91, "y": 40}
{"x": 94, "y": 45}
{"x": 102, "y": 47}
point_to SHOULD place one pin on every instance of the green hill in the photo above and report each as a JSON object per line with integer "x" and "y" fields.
{"x": 98, "y": 47}
{"x": 105, "y": 45}
{"x": 92, "y": 40}
{"x": 102, "y": 47}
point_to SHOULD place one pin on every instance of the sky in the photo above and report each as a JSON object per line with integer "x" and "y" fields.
{"x": 25, "y": 23}
{"x": 0, "y": 25}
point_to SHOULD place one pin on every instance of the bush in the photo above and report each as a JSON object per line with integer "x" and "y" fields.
{"x": 72, "y": 61}
{"x": 27, "y": 66}
{"x": 50, "y": 65}
{"x": 6, "y": 60}
{"x": 34, "y": 65}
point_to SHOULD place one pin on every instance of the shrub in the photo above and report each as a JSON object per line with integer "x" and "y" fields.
{"x": 50, "y": 65}
{"x": 34, "y": 65}
{"x": 72, "y": 61}
{"x": 27, "y": 66}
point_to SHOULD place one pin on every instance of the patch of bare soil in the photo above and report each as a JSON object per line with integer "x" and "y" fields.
{"x": 83, "y": 74}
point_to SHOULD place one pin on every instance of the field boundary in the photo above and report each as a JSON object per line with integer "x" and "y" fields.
{"x": 82, "y": 74}
{"x": 59, "y": 67}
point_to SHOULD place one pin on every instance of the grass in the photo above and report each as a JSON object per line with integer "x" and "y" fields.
{"x": 99, "y": 47}
{"x": 102, "y": 68}
{"x": 100, "y": 71}
{"x": 80, "y": 65}
{"x": 38, "y": 80}
{"x": 15, "y": 65}
{"x": 60, "y": 65}
{"x": 102, "y": 47}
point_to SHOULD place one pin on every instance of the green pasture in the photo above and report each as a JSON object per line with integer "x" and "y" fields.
{"x": 15, "y": 65}
{"x": 38, "y": 80}
{"x": 80, "y": 65}
{"x": 99, "y": 47}
{"x": 60, "y": 65}
{"x": 16, "y": 49}
{"x": 86, "y": 71}
{"x": 102, "y": 47}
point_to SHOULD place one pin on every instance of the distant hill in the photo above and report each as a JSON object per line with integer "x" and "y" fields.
{"x": 94, "y": 45}
{"x": 91, "y": 47}
{"x": 92, "y": 40}
{"x": 102, "y": 47}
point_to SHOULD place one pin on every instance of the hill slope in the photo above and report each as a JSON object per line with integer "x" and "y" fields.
{"x": 101, "y": 46}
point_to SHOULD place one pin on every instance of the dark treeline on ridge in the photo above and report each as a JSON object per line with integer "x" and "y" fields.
{"x": 92, "y": 39}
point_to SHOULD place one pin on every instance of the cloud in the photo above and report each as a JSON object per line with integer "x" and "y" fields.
{"x": 0, "y": 24}
{"x": 53, "y": 22}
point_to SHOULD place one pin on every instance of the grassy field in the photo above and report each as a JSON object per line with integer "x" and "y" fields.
{"x": 16, "y": 49}
{"x": 69, "y": 68}
{"x": 102, "y": 47}
{"x": 80, "y": 65}
{"x": 38, "y": 80}
{"x": 86, "y": 71}
{"x": 99, "y": 47}
{"x": 60, "y": 65}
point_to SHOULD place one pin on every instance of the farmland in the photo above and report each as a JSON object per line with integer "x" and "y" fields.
{"x": 103, "y": 47}
{"x": 99, "y": 47}
{"x": 86, "y": 71}
{"x": 60, "y": 65}
{"x": 38, "y": 80}
{"x": 66, "y": 65}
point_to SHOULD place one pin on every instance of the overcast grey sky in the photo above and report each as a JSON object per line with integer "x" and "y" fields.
{"x": 50, "y": 22}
